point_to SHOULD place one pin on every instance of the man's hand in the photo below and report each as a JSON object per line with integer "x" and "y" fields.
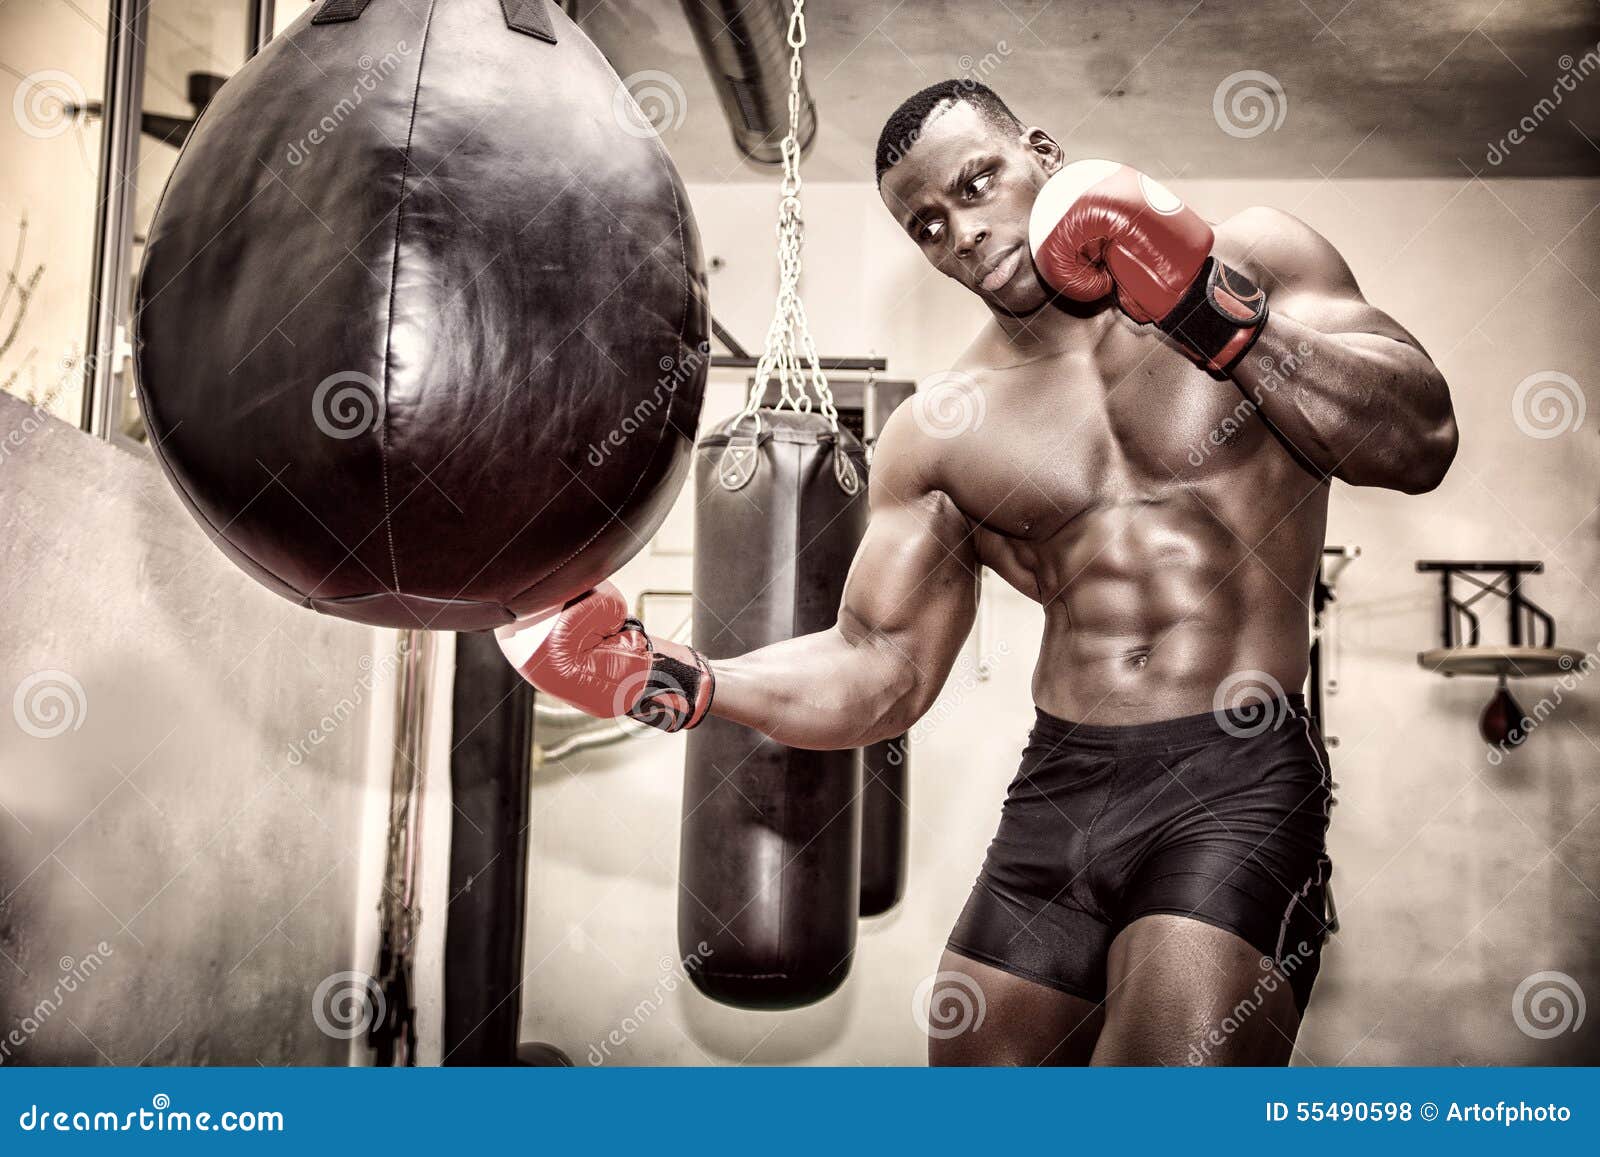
{"x": 1098, "y": 226}
{"x": 594, "y": 656}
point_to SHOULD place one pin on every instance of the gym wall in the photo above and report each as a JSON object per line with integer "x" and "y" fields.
{"x": 193, "y": 776}
{"x": 1446, "y": 867}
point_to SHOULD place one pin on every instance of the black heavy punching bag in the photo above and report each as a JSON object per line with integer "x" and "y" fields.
{"x": 884, "y": 819}
{"x": 769, "y": 866}
{"x": 418, "y": 334}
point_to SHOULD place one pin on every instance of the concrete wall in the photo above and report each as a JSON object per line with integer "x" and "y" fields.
{"x": 1456, "y": 878}
{"x": 187, "y": 772}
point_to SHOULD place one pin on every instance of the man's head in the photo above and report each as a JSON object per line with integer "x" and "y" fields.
{"x": 959, "y": 171}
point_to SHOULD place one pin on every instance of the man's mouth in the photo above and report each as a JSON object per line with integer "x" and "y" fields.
{"x": 1001, "y": 271}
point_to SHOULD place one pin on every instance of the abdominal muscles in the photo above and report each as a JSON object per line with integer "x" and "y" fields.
{"x": 1154, "y": 610}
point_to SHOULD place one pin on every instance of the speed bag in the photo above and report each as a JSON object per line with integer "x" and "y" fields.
{"x": 884, "y": 820}
{"x": 419, "y": 332}
{"x": 769, "y": 866}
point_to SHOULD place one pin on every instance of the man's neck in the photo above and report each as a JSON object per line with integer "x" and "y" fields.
{"x": 1049, "y": 329}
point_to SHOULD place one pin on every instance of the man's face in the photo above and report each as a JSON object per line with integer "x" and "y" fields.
{"x": 963, "y": 192}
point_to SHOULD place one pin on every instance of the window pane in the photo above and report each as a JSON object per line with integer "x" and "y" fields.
{"x": 192, "y": 46}
{"x": 52, "y": 60}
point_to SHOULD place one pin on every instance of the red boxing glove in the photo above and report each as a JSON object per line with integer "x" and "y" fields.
{"x": 1099, "y": 226}
{"x": 593, "y": 655}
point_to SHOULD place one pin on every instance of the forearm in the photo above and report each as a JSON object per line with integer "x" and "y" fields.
{"x": 820, "y": 691}
{"x": 1364, "y": 408}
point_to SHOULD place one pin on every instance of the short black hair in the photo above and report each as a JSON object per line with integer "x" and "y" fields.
{"x": 905, "y": 124}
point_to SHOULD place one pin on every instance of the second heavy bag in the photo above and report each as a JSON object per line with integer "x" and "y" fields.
{"x": 884, "y": 820}
{"x": 770, "y": 861}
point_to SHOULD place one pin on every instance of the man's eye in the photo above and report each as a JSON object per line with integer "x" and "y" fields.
{"x": 979, "y": 183}
{"x": 930, "y": 231}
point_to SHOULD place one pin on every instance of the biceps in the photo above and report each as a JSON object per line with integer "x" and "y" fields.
{"x": 912, "y": 589}
{"x": 1343, "y": 316}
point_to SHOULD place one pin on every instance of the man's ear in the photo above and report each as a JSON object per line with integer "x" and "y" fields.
{"x": 1043, "y": 148}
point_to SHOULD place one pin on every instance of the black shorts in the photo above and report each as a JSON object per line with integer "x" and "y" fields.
{"x": 1221, "y": 818}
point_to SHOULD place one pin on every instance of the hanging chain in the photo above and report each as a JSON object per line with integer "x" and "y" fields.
{"x": 790, "y": 354}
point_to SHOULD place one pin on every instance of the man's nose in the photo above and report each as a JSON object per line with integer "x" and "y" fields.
{"x": 970, "y": 240}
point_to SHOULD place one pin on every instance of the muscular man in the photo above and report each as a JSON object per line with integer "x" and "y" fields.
{"x": 1166, "y": 403}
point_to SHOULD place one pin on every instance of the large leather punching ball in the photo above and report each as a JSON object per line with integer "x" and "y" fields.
{"x": 769, "y": 862}
{"x": 885, "y": 818}
{"x": 421, "y": 323}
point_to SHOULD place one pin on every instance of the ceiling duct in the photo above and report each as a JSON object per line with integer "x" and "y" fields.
{"x": 746, "y": 48}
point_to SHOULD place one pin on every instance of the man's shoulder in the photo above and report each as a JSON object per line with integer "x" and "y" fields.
{"x": 1279, "y": 250}
{"x": 1265, "y": 225}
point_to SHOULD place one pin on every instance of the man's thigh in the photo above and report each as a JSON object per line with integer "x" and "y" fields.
{"x": 1184, "y": 992}
{"x": 981, "y": 1015}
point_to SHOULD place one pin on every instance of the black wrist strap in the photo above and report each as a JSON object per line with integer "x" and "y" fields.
{"x": 1219, "y": 316}
{"x": 672, "y": 695}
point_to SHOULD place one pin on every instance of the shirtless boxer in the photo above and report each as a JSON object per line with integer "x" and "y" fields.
{"x": 1165, "y": 405}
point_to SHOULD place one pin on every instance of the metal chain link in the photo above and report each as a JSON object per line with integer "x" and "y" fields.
{"x": 790, "y": 354}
